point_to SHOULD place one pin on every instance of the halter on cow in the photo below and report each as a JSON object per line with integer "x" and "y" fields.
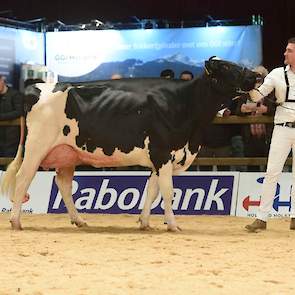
{"x": 156, "y": 123}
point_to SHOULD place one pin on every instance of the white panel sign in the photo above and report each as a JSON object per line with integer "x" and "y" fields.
{"x": 39, "y": 191}
{"x": 249, "y": 193}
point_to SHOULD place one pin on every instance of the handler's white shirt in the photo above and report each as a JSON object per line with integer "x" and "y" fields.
{"x": 275, "y": 80}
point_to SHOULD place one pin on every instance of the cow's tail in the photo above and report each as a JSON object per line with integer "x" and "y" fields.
{"x": 8, "y": 180}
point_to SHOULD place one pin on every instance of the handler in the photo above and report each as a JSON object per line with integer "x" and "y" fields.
{"x": 282, "y": 80}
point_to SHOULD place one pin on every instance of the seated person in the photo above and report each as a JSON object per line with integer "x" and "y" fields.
{"x": 116, "y": 76}
{"x": 216, "y": 141}
{"x": 186, "y": 75}
{"x": 11, "y": 107}
{"x": 168, "y": 74}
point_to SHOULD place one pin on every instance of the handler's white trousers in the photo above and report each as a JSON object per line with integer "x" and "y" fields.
{"x": 283, "y": 140}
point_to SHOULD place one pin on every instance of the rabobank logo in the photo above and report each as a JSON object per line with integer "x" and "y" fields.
{"x": 193, "y": 194}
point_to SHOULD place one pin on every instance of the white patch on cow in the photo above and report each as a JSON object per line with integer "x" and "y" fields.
{"x": 178, "y": 156}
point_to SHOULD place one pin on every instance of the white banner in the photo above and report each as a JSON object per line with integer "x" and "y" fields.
{"x": 249, "y": 194}
{"x": 39, "y": 191}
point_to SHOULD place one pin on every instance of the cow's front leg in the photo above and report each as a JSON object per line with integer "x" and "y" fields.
{"x": 64, "y": 178}
{"x": 166, "y": 188}
{"x": 152, "y": 193}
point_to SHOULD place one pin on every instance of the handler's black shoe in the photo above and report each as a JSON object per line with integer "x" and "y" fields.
{"x": 258, "y": 224}
{"x": 292, "y": 223}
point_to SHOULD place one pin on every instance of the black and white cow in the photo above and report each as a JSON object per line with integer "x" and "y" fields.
{"x": 156, "y": 123}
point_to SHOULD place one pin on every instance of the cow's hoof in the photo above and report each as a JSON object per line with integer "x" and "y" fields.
{"x": 145, "y": 227}
{"x": 173, "y": 228}
{"x": 79, "y": 223}
{"x": 15, "y": 225}
{"x": 144, "y": 224}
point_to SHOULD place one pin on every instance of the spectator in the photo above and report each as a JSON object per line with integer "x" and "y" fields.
{"x": 186, "y": 75}
{"x": 256, "y": 137}
{"x": 11, "y": 107}
{"x": 217, "y": 141}
{"x": 168, "y": 74}
{"x": 116, "y": 76}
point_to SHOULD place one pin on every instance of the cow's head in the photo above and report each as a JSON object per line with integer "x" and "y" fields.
{"x": 230, "y": 76}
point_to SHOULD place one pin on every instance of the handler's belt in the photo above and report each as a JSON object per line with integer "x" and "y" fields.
{"x": 287, "y": 124}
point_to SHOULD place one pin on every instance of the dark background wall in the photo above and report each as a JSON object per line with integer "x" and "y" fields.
{"x": 279, "y": 15}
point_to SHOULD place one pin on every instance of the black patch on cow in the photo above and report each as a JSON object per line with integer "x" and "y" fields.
{"x": 182, "y": 161}
{"x": 66, "y": 130}
{"x": 31, "y": 97}
{"x": 171, "y": 113}
{"x": 173, "y": 158}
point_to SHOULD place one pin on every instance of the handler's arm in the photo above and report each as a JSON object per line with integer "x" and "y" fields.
{"x": 264, "y": 89}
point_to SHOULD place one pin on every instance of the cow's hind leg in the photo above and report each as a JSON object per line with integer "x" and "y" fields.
{"x": 63, "y": 180}
{"x": 152, "y": 193}
{"x": 23, "y": 179}
{"x": 166, "y": 188}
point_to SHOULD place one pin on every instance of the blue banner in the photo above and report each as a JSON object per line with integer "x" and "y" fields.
{"x": 113, "y": 194}
{"x": 19, "y": 46}
{"x": 93, "y": 55}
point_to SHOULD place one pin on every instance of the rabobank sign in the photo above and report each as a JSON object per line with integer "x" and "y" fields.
{"x": 125, "y": 193}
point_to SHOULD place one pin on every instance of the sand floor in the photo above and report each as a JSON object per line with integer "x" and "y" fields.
{"x": 211, "y": 255}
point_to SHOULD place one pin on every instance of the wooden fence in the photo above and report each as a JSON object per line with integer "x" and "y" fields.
{"x": 203, "y": 161}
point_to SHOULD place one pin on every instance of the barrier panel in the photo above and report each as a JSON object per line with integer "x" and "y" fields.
{"x": 39, "y": 195}
{"x": 195, "y": 193}
{"x": 250, "y": 187}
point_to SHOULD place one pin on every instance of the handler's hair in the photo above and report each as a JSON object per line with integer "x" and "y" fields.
{"x": 291, "y": 40}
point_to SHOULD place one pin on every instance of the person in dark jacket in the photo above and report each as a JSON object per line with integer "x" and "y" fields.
{"x": 216, "y": 141}
{"x": 11, "y": 107}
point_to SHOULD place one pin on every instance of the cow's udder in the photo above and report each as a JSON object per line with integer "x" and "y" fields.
{"x": 63, "y": 156}
{"x": 60, "y": 156}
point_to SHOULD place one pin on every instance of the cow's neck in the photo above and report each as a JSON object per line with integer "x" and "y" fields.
{"x": 206, "y": 102}
{"x": 208, "y": 98}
